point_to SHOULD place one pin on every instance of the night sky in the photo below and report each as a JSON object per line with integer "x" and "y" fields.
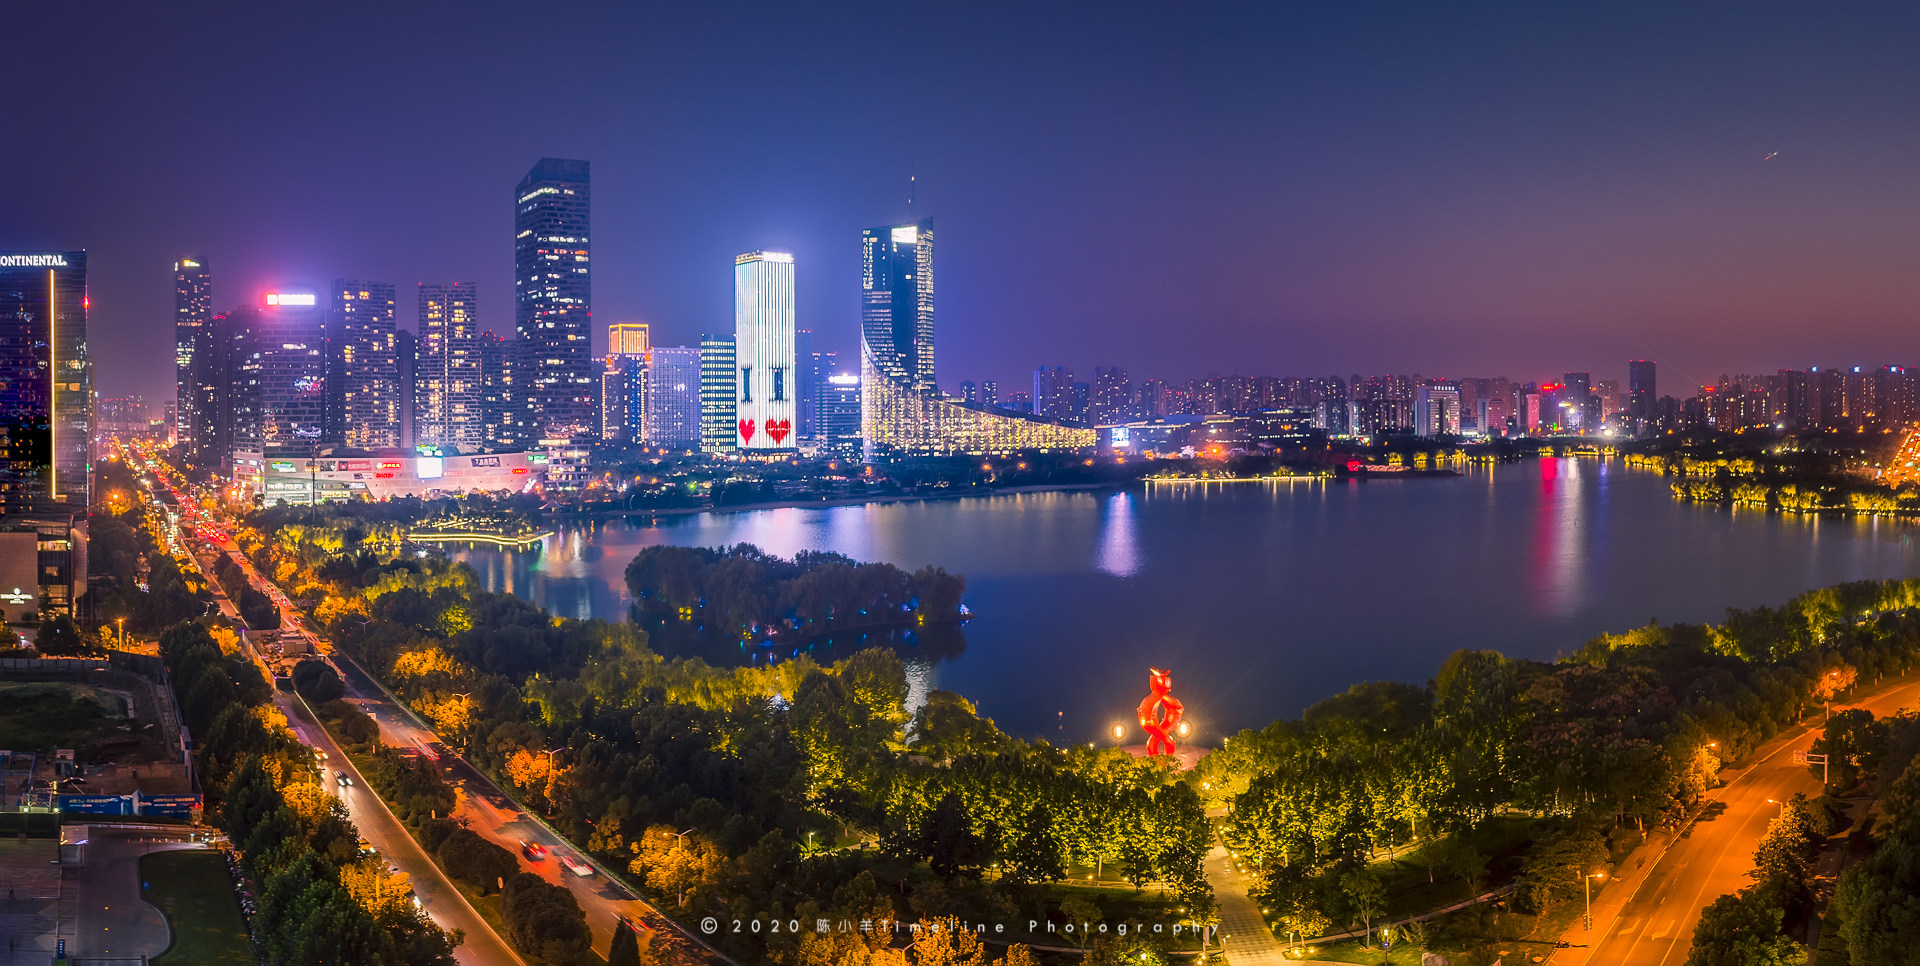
{"x": 1449, "y": 189}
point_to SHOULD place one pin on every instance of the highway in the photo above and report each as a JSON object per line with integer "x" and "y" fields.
{"x": 1654, "y": 926}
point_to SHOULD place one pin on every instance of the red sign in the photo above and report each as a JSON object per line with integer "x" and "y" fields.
{"x": 383, "y": 476}
{"x": 389, "y": 466}
{"x": 519, "y": 469}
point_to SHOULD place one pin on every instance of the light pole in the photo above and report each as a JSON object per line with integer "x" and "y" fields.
{"x": 1586, "y": 881}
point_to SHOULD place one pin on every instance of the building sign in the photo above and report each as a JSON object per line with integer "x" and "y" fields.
{"x": 55, "y": 260}
{"x": 289, "y": 298}
{"x": 486, "y": 461}
{"x": 427, "y": 467}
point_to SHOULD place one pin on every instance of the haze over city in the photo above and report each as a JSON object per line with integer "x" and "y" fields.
{"x": 1501, "y": 189}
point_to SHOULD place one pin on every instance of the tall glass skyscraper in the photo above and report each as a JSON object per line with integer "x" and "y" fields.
{"x": 763, "y": 341}
{"x": 46, "y": 381}
{"x": 283, "y": 362}
{"x": 447, "y": 374}
{"x": 555, "y": 382}
{"x": 193, "y": 394}
{"x": 896, "y": 303}
{"x": 363, "y": 376}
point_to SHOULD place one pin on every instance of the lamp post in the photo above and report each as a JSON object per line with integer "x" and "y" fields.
{"x": 1586, "y": 881}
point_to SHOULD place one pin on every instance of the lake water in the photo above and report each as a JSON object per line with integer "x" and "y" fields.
{"x": 1262, "y": 598}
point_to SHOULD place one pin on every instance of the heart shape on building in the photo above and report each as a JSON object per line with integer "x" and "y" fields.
{"x": 746, "y": 431}
{"x": 778, "y": 429}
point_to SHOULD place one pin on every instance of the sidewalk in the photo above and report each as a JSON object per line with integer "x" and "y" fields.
{"x": 1243, "y": 930}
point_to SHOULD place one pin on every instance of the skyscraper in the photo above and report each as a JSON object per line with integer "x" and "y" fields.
{"x": 896, "y": 303}
{"x": 673, "y": 397}
{"x": 1579, "y": 390}
{"x": 363, "y": 377}
{"x": 1112, "y": 396}
{"x": 718, "y": 402}
{"x": 46, "y": 381}
{"x": 284, "y": 363}
{"x": 839, "y": 432}
{"x": 406, "y": 360}
{"x": 1053, "y": 392}
{"x": 446, "y": 388}
{"x": 627, "y": 339}
{"x": 763, "y": 343}
{"x": 192, "y": 317}
{"x": 1641, "y": 393}
{"x": 554, "y": 382}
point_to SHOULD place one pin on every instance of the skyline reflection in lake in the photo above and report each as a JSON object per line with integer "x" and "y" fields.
{"x": 1262, "y": 597}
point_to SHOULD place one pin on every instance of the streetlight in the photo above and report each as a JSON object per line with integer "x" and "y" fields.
{"x": 1586, "y": 881}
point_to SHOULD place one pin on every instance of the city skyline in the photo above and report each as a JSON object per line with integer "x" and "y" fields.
{"x": 1488, "y": 189}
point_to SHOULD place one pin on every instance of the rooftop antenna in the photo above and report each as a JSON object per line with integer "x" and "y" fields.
{"x": 911, "y": 184}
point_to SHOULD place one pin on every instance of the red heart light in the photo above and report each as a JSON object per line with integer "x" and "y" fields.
{"x": 778, "y": 429}
{"x": 746, "y": 431}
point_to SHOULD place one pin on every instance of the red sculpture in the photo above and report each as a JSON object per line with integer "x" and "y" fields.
{"x": 1160, "y": 713}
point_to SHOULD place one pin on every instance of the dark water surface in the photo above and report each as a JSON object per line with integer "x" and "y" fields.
{"x": 1262, "y": 598}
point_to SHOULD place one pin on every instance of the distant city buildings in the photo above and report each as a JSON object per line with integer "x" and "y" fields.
{"x": 447, "y": 377}
{"x": 194, "y": 394}
{"x": 718, "y": 394}
{"x": 673, "y": 398}
{"x": 363, "y": 373}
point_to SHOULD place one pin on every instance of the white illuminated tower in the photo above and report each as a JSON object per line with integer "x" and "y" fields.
{"x": 763, "y": 336}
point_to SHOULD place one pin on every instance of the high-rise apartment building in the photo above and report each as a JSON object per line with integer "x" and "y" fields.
{"x": 1436, "y": 409}
{"x": 1053, "y": 392}
{"x": 46, "y": 381}
{"x": 896, "y": 303}
{"x": 363, "y": 376}
{"x": 673, "y": 397}
{"x": 763, "y": 342}
{"x": 719, "y": 380}
{"x": 990, "y": 393}
{"x": 1111, "y": 396}
{"x": 623, "y": 399}
{"x": 447, "y": 377}
{"x": 192, "y": 321}
{"x": 555, "y": 385}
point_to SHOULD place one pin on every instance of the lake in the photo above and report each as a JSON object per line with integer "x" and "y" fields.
{"x": 1262, "y": 598}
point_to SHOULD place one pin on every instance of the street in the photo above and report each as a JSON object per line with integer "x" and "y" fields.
{"x": 1655, "y": 926}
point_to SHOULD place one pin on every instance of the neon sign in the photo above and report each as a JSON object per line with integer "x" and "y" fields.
{"x": 290, "y": 298}
{"x": 33, "y": 261}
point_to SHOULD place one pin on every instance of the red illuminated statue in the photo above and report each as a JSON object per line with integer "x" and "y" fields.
{"x": 1160, "y": 713}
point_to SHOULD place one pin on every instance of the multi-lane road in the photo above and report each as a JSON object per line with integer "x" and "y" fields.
{"x": 1655, "y": 925}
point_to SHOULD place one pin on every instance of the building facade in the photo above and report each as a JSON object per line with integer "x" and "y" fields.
{"x": 446, "y": 376}
{"x": 628, "y": 339}
{"x": 46, "y": 381}
{"x": 496, "y": 390}
{"x": 192, "y": 327}
{"x": 764, "y": 356}
{"x": 837, "y": 430}
{"x": 896, "y": 303}
{"x": 283, "y": 366}
{"x": 363, "y": 373}
{"x": 673, "y": 397}
{"x": 555, "y": 386}
{"x": 718, "y": 394}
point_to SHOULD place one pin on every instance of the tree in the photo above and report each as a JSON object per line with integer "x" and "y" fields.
{"x": 1083, "y": 916}
{"x": 625, "y": 950}
{"x": 476, "y": 861}
{"x": 1366, "y": 896}
{"x": 948, "y": 841}
{"x": 1456, "y": 856}
{"x": 1035, "y": 856}
{"x": 1743, "y": 929}
{"x": 317, "y": 682}
{"x": 60, "y": 637}
{"x": 544, "y": 919}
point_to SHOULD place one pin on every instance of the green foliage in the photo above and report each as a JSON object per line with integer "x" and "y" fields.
{"x": 741, "y": 590}
{"x": 1744, "y": 929}
{"x": 317, "y": 681}
{"x": 474, "y": 860}
{"x": 544, "y": 919}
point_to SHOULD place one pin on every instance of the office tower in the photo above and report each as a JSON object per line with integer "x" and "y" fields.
{"x": 1053, "y": 392}
{"x": 406, "y": 363}
{"x": 627, "y": 339}
{"x": 192, "y": 317}
{"x": 363, "y": 377}
{"x": 620, "y": 372}
{"x": 763, "y": 343}
{"x": 990, "y": 393}
{"x": 284, "y": 360}
{"x": 896, "y": 303}
{"x": 901, "y": 409}
{"x": 673, "y": 397}
{"x": 446, "y": 389}
{"x": 718, "y": 402}
{"x": 1112, "y": 394}
{"x": 554, "y": 383}
{"x": 839, "y": 431}
{"x": 1578, "y": 388}
{"x": 496, "y": 400}
{"x": 219, "y": 361}
{"x": 46, "y": 381}
{"x": 815, "y": 367}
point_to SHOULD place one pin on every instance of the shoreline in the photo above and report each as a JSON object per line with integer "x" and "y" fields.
{"x": 846, "y": 501}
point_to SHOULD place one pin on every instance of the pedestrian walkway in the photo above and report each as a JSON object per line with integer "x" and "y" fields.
{"x": 1243, "y": 930}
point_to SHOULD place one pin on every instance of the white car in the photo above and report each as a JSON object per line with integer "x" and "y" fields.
{"x": 345, "y": 782}
{"x": 575, "y": 864}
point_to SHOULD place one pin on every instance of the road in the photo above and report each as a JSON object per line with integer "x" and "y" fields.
{"x": 1654, "y": 925}
{"x": 492, "y": 814}
{"x": 442, "y": 902}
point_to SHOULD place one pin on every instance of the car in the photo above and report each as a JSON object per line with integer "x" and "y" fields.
{"x": 533, "y": 850}
{"x": 344, "y": 780}
{"x": 575, "y": 864}
{"x": 317, "y": 753}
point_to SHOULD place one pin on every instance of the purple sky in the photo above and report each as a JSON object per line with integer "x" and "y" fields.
{"x": 1277, "y": 189}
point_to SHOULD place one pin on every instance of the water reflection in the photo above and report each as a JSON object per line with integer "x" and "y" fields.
{"x": 1119, "y": 542}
